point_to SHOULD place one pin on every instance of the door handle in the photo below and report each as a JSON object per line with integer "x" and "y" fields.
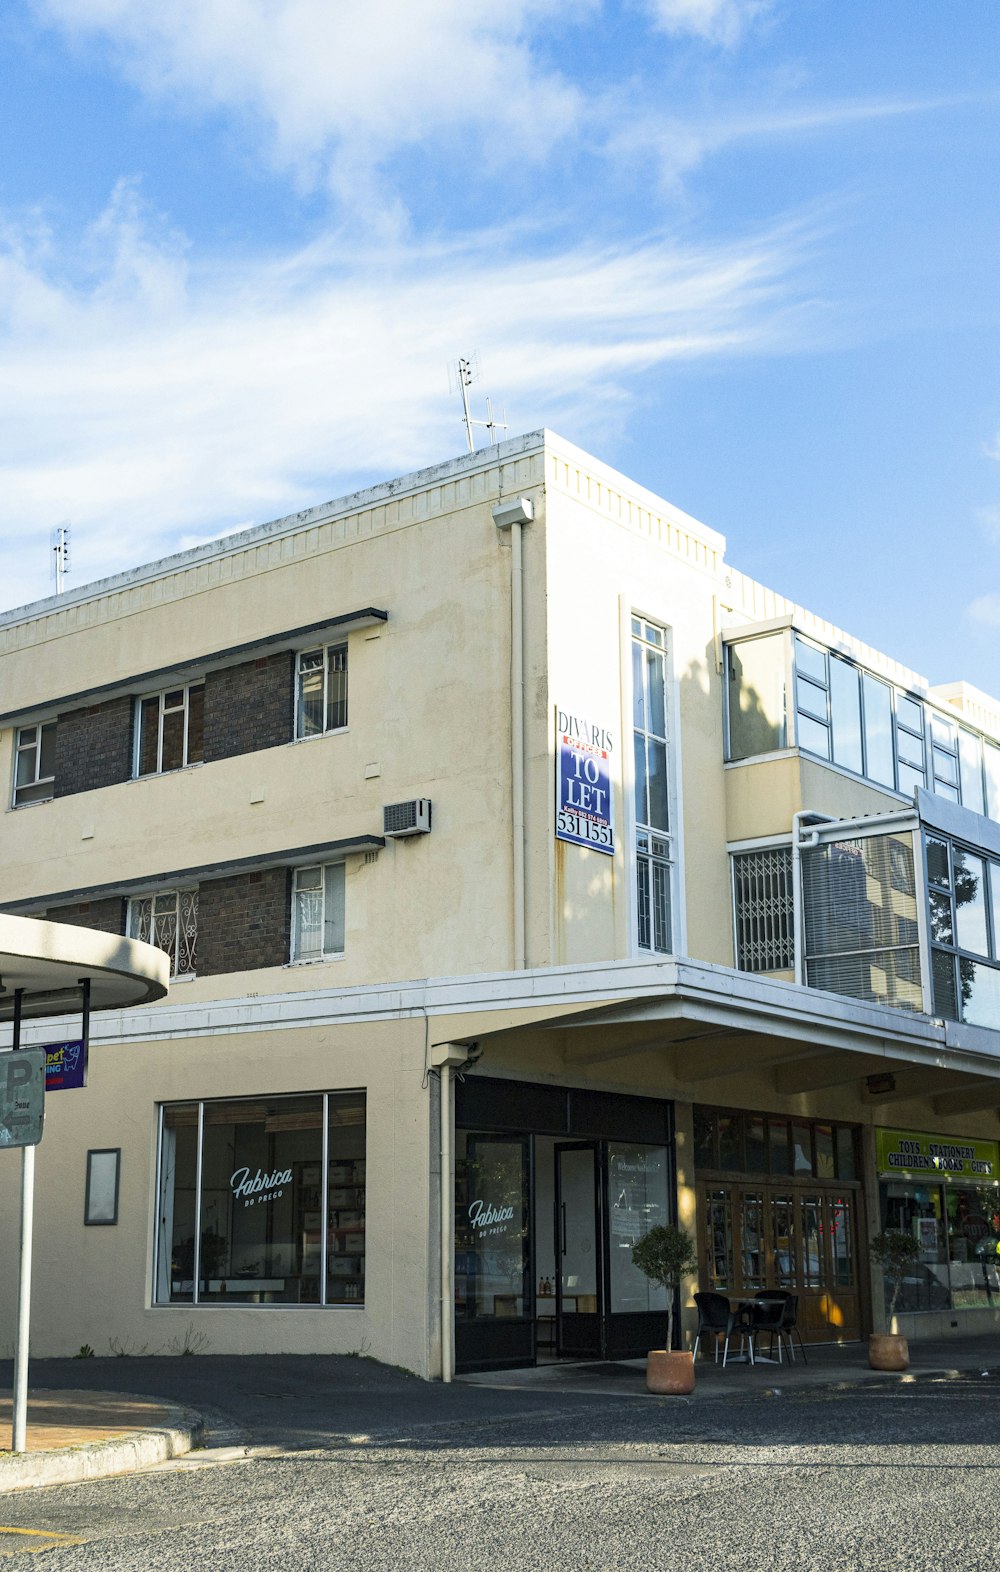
{"x": 563, "y": 1227}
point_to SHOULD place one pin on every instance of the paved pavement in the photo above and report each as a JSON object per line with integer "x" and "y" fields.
{"x": 324, "y": 1464}
{"x": 303, "y": 1400}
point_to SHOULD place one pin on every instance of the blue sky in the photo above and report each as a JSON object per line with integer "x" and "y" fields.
{"x": 745, "y": 250}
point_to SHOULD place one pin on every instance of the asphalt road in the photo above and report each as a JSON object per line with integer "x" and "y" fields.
{"x": 340, "y": 1464}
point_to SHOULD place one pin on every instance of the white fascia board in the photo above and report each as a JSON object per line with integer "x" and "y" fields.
{"x": 614, "y": 991}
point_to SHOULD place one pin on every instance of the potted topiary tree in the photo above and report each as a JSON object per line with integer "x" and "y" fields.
{"x": 667, "y": 1254}
{"x": 894, "y": 1251}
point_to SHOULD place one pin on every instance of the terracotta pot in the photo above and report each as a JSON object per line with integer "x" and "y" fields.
{"x": 669, "y": 1373}
{"x": 887, "y": 1351}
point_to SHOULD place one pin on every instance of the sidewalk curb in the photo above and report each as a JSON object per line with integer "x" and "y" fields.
{"x": 868, "y": 1383}
{"x": 123, "y": 1454}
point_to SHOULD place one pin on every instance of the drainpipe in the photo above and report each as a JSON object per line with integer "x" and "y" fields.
{"x": 798, "y": 845}
{"x": 445, "y": 1058}
{"x": 512, "y": 515}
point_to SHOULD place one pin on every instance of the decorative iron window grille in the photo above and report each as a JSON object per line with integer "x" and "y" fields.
{"x": 168, "y": 919}
{"x": 765, "y": 910}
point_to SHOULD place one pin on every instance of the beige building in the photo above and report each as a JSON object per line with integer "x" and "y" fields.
{"x": 497, "y": 829}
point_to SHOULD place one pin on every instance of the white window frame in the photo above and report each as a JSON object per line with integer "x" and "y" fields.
{"x": 135, "y": 926}
{"x": 299, "y": 874}
{"x": 678, "y": 922}
{"x": 324, "y": 652}
{"x": 37, "y": 780}
{"x": 185, "y": 689}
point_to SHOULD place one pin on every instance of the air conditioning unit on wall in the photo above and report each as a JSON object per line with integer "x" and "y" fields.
{"x": 400, "y": 819}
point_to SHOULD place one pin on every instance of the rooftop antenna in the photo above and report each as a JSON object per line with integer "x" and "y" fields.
{"x": 60, "y": 556}
{"x": 466, "y": 372}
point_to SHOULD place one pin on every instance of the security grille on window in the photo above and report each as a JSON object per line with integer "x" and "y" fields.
{"x": 653, "y": 842}
{"x": 321, "y": 691}
{"x": 35, "y": 764}
{"x": 318, "y": 912}
{"x": 170, "y": 730}
{"x": 168, "y": 919}
{"x": 765, "y": 931}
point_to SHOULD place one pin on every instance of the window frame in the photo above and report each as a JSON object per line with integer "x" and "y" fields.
{"x": 336, "y": 647}
{"x": 933, "y": 751}
{"x": 38, "y": 727}
{"x": 956, "y": 952}
{"x": 175, "y": 893}
{"x": 294, "y": 957}
{"x": 161, "y": 695}
{"x": 329, "y": 1188}
{"x": 654, "y": 849}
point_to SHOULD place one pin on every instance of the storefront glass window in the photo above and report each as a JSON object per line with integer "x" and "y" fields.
{"x": 919, "y": 1209}
{"x": 637, "y": 1201}
{"x": 243, "y": 1196}
{"x": 176, "y": 1211}
{"x": 777, "y": 1130}
{"x": 731, "y": 1142}
{"x": 491, "y": 1225}
{"x": 825, "y": 1168}
{"x": 719, "y": 1226}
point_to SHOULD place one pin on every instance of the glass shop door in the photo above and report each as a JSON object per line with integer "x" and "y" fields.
{"x": 579, "y": 1240}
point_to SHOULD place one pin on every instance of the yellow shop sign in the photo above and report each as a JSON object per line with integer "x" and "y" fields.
{"x": 908, "y": 1152}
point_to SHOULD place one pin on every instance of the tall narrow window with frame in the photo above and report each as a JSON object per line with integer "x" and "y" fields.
{"x": 170, "y": 730}
{"x": 653, "y": 831}
{"x": 321, "y": 691}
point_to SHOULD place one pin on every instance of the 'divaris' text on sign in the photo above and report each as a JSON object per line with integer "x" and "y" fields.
{"x": 584, "y": 800}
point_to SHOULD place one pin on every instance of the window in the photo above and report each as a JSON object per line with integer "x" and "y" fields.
{"x": 963, "y": 893}
{"x": 756, "y": 686}
{"x": 168, "y": 919}
{"x": 860, "y": 909}
{"x": 653, "y": 854}
{"x": 262, "y": 1202}
{"x": 765, "y": 925}
{"x": 35, "y": 764}
{"x": 170, "y": 730}
{"x": 321, "y": 691}
{"x": 318, "y": 912}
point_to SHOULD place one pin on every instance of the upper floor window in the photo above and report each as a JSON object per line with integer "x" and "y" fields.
{"x": 852, "y": 718}
{"x": 35, "y": 764}
{"x": 765, "y": 909}
{"x": 321, "y": 690}
{"x": 168, "y": 919}
{"x": 963, "y": 890}
{"x": 757, "y": 695}
{"x": 653, "y": 830}
{"x": 170, "y": 730}
{"x": 318, "y": 912}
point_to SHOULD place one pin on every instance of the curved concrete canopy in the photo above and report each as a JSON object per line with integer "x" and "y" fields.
{"x": 49, "y": 960}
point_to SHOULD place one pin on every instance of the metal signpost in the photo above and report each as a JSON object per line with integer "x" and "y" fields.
{"x": 23, "y": 1074}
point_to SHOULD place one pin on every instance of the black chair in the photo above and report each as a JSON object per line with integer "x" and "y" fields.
{"x": 765, "y": 1320}
{"x": 717, "y": 1318}
{"x": 789, "y": 1322}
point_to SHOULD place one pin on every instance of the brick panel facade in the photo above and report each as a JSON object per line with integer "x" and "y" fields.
{"x": 106, "y": 916}
{"x": 94, "y": 747}
{"x": 249, "y": 706}
{"x": 244, "y": 921}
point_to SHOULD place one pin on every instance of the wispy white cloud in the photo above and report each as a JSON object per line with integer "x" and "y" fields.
{"x": 716, "y": 21}
{"x": 679, "y": 145}
{"x": 337, "y": 86}
{"x": 992, "y": 448}
{"x": 986, "y": 610}
{"x": 161, "y": 399}
{"x": 989, "y": 521}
